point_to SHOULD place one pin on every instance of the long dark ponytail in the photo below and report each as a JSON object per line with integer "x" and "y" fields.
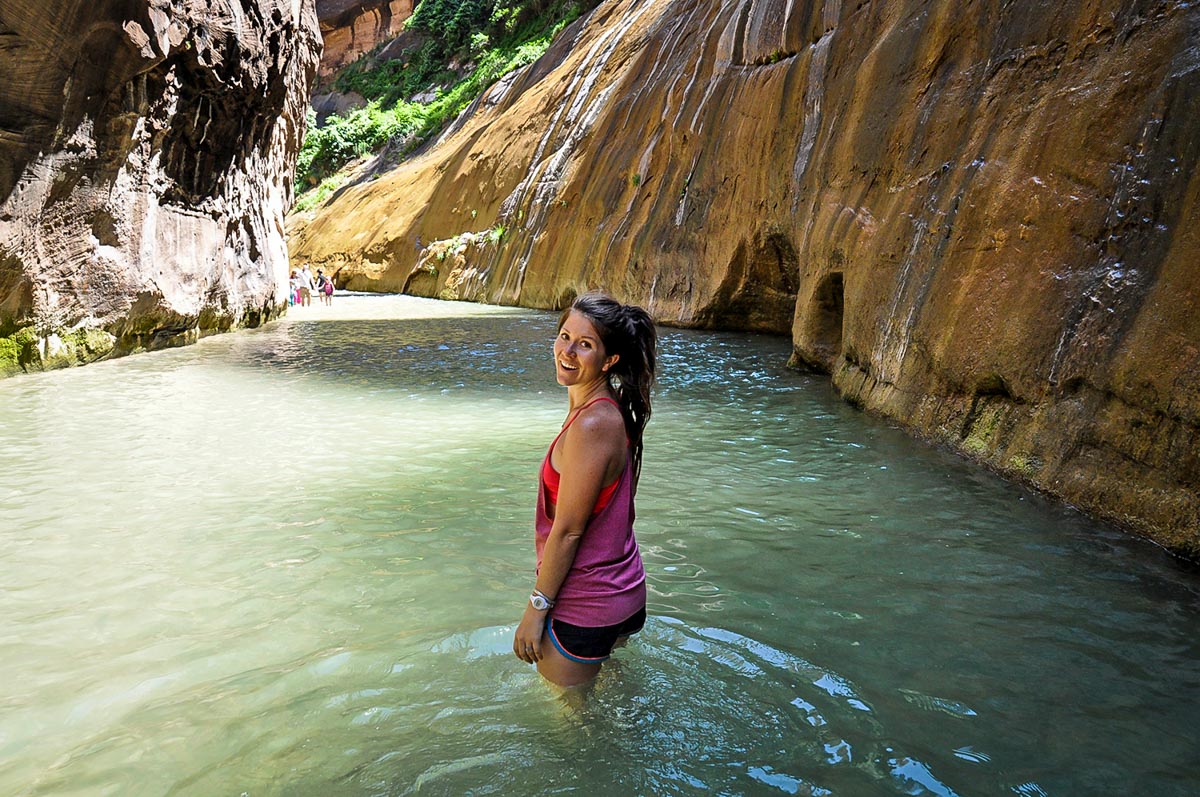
{"x": 629, "y": 331}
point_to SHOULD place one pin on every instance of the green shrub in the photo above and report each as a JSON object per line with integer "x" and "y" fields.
{"x": 343, "y": 138}
{"x": 320, "y": 193}
{"x": 451, "y": 21}
{"x": 497, "y": 35}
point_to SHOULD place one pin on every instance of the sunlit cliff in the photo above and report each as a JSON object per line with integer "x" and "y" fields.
{"x": 981, "y": 219}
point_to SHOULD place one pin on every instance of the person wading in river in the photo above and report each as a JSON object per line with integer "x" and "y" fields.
{"x": 590, "y": 591}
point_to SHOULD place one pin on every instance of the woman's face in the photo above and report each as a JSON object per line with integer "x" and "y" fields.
{"x": 579, "y": 356}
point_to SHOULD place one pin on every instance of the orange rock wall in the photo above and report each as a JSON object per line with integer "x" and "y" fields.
{"x": 981, "y": 218}
{"x": 352, "y": 28}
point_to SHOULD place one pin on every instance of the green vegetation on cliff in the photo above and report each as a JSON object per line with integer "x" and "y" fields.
{"x": 24, "y": 350}
{"x": 461, "y": 48}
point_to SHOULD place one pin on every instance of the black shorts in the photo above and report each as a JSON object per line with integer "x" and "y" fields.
{"x": 591, "y": 645}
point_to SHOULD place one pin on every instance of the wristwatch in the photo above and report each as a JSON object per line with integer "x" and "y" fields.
{"x": 540, "y": 602}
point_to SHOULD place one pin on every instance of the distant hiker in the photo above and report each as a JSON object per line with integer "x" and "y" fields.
{"x": 324, "y": 287}
{"x": 306, "y": 286}
{"x": 293, "y": 288}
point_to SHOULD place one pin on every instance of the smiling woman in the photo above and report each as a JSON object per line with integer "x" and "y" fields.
{"x": 590, "y": 594}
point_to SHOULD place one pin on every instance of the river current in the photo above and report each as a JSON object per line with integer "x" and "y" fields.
{"x": 289, "y": 561}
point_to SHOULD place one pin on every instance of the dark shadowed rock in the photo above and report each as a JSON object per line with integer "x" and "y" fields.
{"x": 146, "y": 157}
{"x": 981, "y": 218}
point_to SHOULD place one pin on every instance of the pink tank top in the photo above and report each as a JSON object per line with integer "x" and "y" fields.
{"x": 606, "y": 583}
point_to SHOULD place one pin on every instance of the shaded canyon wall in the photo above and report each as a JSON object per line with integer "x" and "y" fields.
{"x": 146, "y": 159}
{"x": 981, "y": 218}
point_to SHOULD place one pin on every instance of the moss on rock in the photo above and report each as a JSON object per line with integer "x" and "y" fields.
{"x": 25, "y": 351}
{"x": 10, "y": 357}
{"x": 18, "y": 351}
{"x": 85, "y": 345}
{"x": 981, "y": 439}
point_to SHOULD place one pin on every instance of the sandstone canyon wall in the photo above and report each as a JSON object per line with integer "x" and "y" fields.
{"x": 146, "y": 158}
{"x": 352, "y": 28}
{"x": 982, "y": 218}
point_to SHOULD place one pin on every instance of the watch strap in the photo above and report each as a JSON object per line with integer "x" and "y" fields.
{"x": 540, "y": 601}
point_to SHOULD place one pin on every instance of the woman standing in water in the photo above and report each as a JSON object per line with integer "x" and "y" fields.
{"x": 590, "y": 592}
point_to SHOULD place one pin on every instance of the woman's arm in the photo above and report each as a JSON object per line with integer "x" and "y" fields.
{"x": 593, "y": 453}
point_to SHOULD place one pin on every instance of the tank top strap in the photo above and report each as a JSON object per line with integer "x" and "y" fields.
{"x": 571, "y": 420}
{"x": 579, "y": 411}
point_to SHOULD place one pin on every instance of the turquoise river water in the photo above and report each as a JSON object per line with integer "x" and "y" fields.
{"x": 289, "y": 562}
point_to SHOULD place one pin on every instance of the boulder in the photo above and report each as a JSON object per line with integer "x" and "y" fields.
{"x": 336, "y": 103}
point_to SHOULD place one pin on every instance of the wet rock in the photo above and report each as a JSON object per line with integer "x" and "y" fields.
{"x": 981, "y": 220}
{"x": 146, "y": 157}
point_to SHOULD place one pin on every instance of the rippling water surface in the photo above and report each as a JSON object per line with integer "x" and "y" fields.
{"x": 289, "y": 562}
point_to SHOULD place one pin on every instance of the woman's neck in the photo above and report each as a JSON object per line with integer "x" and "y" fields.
{"x": 580, "y": 395}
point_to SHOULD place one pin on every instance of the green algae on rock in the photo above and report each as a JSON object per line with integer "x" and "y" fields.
{"x": 26, "y": 351}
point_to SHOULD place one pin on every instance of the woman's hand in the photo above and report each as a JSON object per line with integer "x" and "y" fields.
{"x": 527, "y": 642}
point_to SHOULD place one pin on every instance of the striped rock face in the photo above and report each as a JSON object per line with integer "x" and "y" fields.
{"x": 981, "y": 220}
{"x": 146, "y": 159}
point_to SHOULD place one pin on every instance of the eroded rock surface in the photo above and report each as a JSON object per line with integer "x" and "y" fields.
{"x": 146, "y": 158}
{"x": 982, "y": 219}
{"x": 352, "y": 28}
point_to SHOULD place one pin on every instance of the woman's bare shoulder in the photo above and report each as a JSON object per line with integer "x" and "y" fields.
{"x": 601, "y": 421}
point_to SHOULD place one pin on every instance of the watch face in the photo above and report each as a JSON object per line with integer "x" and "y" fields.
{"x": 539, "y": 602}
